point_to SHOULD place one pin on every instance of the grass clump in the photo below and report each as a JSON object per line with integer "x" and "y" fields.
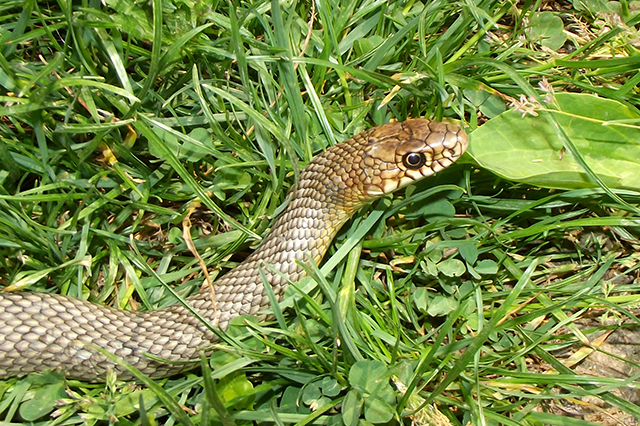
{"x": 473, "y": 298}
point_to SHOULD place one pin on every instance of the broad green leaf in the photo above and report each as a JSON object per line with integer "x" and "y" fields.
{"x": 128, "y": 403}
{"x": 437, "y": 208}
{"x": 372, "y": 378}
{"x": 43, "y": 401}
{"x": 351, "y": 408}
{"x": 195, "y": 152}
{"x": 366, "y": 45}
{"x": 487, "y": 267}
{"x": 488, "y": 104}
{"x": 442, "y": 305}
{"x": 378, "y": 408}
{"x": 131, "y": 18}
{"x": 469, "y": 252}
{"x": 527, "y": 149}
{"x": 312, "y": 396}
{"x": 289, "y": 400}
{"x": 429, "y": 267}
{"x": 420, "y": 297}
{"x": 330, "y": 387}
{"x": 547, "y": 29}
{"x": 311, "y": 393}
{"x": 434, "y": 253}
{"x": 368, "y": 374}
{"x": 235, "y": 387}
{"x": 452, "y": 267}
{"x": 189, "y": 149}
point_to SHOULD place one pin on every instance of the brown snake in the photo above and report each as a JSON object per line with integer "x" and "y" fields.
{"x": 40, "y": 331}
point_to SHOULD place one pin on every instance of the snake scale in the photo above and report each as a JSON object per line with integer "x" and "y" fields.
{"x": 41, "y": 331}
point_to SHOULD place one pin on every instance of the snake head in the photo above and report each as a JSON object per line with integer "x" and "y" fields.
{"x": 380, "y": 161}
{"x": 398, "y": 154}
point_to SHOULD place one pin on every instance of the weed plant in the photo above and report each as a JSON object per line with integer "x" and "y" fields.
{"x": 134, "y": 135}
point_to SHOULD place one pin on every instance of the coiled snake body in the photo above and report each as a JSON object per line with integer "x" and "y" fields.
{"x": 46, "y": 331}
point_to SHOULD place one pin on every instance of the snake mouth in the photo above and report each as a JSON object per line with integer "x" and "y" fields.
{"x": 446, "y": 158}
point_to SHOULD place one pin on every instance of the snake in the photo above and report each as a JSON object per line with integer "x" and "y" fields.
{"x": 44, "y": 331}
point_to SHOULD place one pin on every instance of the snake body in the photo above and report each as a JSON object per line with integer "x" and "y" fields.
{"x": 41, "y": 331}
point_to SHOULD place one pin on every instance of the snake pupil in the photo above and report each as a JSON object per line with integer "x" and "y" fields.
{"x": 414, "y": 160}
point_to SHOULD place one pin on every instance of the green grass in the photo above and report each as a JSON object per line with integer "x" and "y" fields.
{"x": 122, "y": 122}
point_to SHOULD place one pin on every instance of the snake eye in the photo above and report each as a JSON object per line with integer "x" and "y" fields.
{"x": 414, "y": 160}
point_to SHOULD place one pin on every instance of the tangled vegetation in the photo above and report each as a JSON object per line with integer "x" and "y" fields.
{"x": 142, "y": 140}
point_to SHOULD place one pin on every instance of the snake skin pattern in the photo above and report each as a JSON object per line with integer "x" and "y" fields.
{"x": 40, "y": 331}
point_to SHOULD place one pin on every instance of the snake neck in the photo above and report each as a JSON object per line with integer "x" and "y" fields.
{"x": 300, "y": 235}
